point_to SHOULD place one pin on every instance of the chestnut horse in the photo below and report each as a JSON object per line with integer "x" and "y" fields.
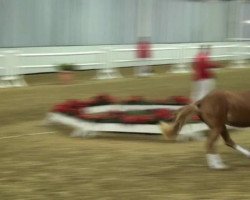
{"x": 217, "y": 109}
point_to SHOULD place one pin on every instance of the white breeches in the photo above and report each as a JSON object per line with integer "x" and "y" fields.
{"x": 201, "y": 88}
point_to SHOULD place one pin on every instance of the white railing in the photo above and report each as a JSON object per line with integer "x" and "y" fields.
{"x": 119, "y": 57}
{"x": 98, "y": 58}
{"x": 11, "y": 76}
{"x": 179, "y": 55}
{"x": 134, "y": 59}
{"x": 60, "y": 54}
{"x": 247, "y": 52}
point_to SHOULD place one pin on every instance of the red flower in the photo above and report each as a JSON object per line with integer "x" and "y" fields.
{"x": 104, "y": 99}
{"x": 140, "y": 119}
{"x": 116, "y": 114}
{"x": 73, "y": 111}
{"x": 71, "y": 107}
{"x": 94, "y": 117}
{"x": 163, "y": 114}
{"x": 134, "y": 99}
{"x": 76, "y": 108}
{"x": 60, "y": 108}
{"x": 182, "y": 100}
{"x": 89, "y": 102}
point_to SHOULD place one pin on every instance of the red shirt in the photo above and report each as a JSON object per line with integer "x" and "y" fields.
{"x": 143, "y": 50}
{"x": 202, "y": 66}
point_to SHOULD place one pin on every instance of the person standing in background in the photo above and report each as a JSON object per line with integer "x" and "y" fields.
{"x": 143, "y": 53}
{"x": 204, "y": 79}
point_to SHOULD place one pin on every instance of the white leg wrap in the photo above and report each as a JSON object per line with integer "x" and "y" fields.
{"x": 214, "y": 161}
{"x": 243, "y": 150}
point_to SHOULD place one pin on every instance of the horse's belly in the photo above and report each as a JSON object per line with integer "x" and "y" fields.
{"x": 239, "y": 124}
{"x": 241, "y": 119}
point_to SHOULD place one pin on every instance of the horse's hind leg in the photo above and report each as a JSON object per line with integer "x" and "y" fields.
{"x": 213, "y": 159}
{"x": 225, "y": 135}
{"x": 228, "y": 140}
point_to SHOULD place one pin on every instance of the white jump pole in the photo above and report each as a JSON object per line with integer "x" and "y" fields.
{"x": 12, "y": 76}
{"x": 181, "y": 66}
{"x": 239, "y": 61}
{"x": 107, "y": 71}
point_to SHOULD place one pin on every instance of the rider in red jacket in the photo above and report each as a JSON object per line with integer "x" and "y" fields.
{"x": 203, "y": 76}
{"x": 202, "y": 66}
{"x": 143, "y": 53}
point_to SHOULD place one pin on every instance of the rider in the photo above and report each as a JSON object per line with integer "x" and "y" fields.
{"x": 203, "y": 77}
{"x": 143, "y": 53}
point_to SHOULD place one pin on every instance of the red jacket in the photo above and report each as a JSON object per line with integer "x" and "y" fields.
{"x": 202, "y": 67}
{"x": 143, "y": 50}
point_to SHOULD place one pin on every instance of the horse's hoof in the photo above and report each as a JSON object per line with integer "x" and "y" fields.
{"x": 214, "y": 162}
{"x": 219, "y": 167}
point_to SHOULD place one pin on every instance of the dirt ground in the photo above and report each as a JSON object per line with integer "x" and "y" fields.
{"x": 43, "y": 162}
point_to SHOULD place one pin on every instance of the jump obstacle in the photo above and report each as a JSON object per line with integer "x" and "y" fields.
{"x": 84, "y": 127}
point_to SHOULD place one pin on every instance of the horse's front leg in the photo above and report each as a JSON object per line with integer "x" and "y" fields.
{"x": 214, "y": 160}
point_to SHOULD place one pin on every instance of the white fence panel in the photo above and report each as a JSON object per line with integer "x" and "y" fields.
{"x": 125, "y": 56}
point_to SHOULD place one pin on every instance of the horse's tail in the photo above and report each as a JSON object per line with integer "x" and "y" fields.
{"x": 171, "y": 130}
